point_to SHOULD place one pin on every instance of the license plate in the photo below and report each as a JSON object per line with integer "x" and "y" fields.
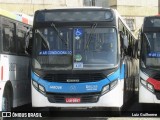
{"x": 73, "y": 100}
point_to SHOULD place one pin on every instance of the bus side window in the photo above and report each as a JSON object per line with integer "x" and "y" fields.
{"x": 20, "y": 42}
{"x": 21, "y": 39}
{"x": 9, "y": 43}
{"x": 5, "y": 40}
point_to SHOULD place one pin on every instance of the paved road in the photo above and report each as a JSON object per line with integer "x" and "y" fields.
{"x": 85, "y": 118}
{"x": 132, "y": 111}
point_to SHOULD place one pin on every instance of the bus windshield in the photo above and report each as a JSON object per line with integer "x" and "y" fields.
{"x": 66, "y": 48}
{"x": 151, "y": 49}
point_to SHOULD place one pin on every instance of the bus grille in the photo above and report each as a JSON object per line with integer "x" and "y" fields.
{"x": 74, "y": 77}
{"x": 157, "y": 77}
{"x": 85, "y": 98}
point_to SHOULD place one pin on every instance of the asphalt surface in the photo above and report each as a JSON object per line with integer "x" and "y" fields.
{"x": 131, "y": 111}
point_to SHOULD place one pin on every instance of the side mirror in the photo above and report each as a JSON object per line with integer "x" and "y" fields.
{"x": 28, "y": 42}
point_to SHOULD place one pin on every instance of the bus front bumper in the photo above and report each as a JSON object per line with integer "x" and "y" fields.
{"x": 113, "y": 98}
{"x": 145, "y": 96}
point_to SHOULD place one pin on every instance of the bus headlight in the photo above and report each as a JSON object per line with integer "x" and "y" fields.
{"x": 39, "y": 87}
{"x": 109, "y": 87}
{"x": 105, "y": 89}
{"x": 35, "y": 84}
{"x": 143, "y": 82}
{"x": 113, "y": 84}
{"x": 150, "y": 87}
{"x": 147, "y": 85}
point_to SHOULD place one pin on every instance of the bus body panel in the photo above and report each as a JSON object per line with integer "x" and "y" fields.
{"x": 113, "y": 98}
{"x": 14, "y": 60}
{"x": 16, "y": 71}
{"x": 146, "y": 96}
{"x": 2, "y": 85}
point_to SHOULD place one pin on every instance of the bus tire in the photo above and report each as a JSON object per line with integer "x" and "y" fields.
{"x": 7, "y": 101}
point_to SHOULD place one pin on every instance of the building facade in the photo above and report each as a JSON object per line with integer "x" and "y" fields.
{"x": 30, "y": 6}
{"x": 133, "y": 11}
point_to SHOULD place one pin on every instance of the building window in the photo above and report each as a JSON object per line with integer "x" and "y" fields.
{"x": 130, "y": 23}
{"x": 93, "y": 3}
{"x": 89, "y": 2}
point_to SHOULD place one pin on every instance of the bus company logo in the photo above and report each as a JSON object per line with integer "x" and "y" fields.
{"x": 72, "y": 80}
{"x": 56, "y": 87}
{"x": 73, "y": 88}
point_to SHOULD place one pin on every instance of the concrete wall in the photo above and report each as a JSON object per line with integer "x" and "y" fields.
{"x": 138, "y": 2}
{"x": 30, "y": 6}
{"x": 102, "y": 3}
{"x": 135, "y": 9}
{"x": 125, "y": 7}
{"x": 128, "y": 9}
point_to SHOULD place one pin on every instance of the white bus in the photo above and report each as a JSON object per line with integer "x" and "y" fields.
{"x": 14, "y": 61}
{"x": 149, "y": 76}
{"x": 82, "y": 57}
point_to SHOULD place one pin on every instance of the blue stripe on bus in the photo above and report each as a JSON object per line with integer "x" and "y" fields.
{"x": 76, "y": 87}
{"x": 122, "y": 73}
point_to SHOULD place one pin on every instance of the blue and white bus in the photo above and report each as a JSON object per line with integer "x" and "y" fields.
{"x": 82, "y": 57}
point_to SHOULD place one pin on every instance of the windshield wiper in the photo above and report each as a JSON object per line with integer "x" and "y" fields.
{"x": 59, "y": 36}
{"x": 92, "y": 31}
{"x": 147, "y": 41}
{"x": 43, "y": 38}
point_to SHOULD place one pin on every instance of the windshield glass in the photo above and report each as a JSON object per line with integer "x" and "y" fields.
{"x": 151, "y": 49}
{"x": 95, "y": 48}
{"x": 75, "y": 48}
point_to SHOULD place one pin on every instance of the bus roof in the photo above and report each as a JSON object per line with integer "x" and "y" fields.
{"x": 151, "y": 23}
{"x": 19, "y": 17}
{"x": 125, "y": 24}
{"x": 74, "y": 8}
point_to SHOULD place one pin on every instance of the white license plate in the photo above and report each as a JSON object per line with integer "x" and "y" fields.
{"x": 73, "y": 100}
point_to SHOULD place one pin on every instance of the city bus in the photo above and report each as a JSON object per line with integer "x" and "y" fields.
{"x": 149, "y": 45}
{"x": 15, "y": 67}
{"x": 82, "y": 58}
